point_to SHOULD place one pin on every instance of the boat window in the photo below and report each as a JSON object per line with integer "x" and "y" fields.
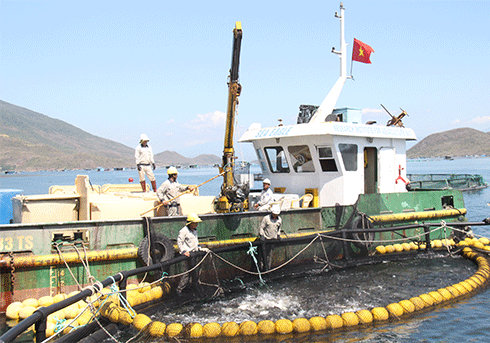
{"x": 300, "y": 157}
{"x": 327, "y": 161}
{"x": 277, "y": 159}
{"x": 349, "y": 156}
{"x": 260, "y": 156}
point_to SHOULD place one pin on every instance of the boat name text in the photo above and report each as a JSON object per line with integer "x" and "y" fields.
{"x": 17, "y": 243}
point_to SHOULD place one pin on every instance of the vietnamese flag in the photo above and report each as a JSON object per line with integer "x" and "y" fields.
{"x": 361, "y": 52}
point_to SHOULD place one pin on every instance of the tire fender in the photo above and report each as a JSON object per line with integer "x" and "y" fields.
{"x": 362, "y": 240}
{"x": 164, "y": 249}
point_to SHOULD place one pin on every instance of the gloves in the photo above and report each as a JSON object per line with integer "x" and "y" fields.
{"x": 153, "y": 166}
{"x": 204, "y": 249}
{"x": 139, "y": 167}
{"x": 486, "y": 220}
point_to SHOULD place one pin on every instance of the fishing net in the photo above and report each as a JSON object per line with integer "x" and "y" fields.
{"x": 446, "y": 181}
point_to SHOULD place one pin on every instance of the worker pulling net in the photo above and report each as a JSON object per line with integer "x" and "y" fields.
{"x": 238, "y": 192}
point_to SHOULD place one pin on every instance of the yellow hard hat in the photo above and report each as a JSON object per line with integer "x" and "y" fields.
{"x": 172, "y": 170}
{"x": 193, "y": 218}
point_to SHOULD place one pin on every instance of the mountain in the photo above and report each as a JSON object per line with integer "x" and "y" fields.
{"x": 457, "y": 142}
{"x": 167, "y": 158}
{"x": 33, "y": 141}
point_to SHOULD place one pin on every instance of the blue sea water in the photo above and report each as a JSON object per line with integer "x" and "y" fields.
{"x": 464, "y": 321}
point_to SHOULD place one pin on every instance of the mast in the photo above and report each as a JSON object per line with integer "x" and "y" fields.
{"x": 330, "y": 100}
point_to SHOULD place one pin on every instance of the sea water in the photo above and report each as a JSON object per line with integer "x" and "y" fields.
{"x": 309, "y": 295}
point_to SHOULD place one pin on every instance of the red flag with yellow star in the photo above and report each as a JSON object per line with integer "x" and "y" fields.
{"x": 361, "y": 52}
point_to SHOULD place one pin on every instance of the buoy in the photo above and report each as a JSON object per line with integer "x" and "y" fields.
{"x": 249, "y": 327}
{"x": 173, "y": 329}
{"x": 13, "y": 310}
{"x": 284, "y": 326}
{"x": 26, "y": 311}
{"x": 408, "y": 306}
{"x": 266, "y": 327}
{"x": 395, "y": 309}
{"x": 418, "y": 303}
{"x": 194, "y": 330}
{"x": 211, "y": 330}
{"x": 140, "y": 321}
{"x": 380, "y": 314}
{"x": 301, "y": 325}
{"x": 316, "y": 324}
{"x": 31, "y": 302}
{"x": 365, "y": 316}
{"x": 157, "y": 329}
{"x": 230, "y": 329}
{"x": 350, "y": 319}
{"x": 334, "y": 321}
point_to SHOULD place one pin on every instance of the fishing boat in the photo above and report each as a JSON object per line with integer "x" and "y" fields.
{"x": 331, "y": 175}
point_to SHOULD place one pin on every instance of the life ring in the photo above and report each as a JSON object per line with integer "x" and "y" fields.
{"x": 164, "y": 249}
{"x": 362, "y": 240}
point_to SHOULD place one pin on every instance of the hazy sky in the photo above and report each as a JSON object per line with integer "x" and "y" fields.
{"x": 117, "y": 69}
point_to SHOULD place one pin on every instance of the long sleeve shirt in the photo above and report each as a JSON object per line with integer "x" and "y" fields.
{"x": 143, "y": 155}
{"x": 170, "y": 189}
{"x": 270, "y": 228}
{"x": 187, "y": 240}
{"x": 265, "y": 197}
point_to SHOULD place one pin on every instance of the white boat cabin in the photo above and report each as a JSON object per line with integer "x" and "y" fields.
{"x": 338, "y": 159}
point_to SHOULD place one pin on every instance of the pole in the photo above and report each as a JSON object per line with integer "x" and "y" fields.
{"x": 175, "y": 197}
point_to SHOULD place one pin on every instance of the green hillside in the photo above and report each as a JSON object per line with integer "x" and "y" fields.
{"x": 33, "y": 141}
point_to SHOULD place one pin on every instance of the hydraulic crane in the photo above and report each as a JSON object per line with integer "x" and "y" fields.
{"x": 229, "y": 190}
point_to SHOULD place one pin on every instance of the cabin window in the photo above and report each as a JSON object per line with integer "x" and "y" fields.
{"x": 300, "y": 157}
{"x": 260, "y": 156}
{"x": 327, "y": 161}
{"x": 349, "y": 156}
{"x": 276, "y": 157}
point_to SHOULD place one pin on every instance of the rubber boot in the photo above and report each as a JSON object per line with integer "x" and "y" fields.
{"x": 143, "y": 185}
{"x": 154, "y": 185}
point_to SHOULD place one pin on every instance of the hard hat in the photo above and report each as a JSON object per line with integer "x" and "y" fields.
{"x": 276, "y": 209}
{"x": 172, "y": 170}
{"x": 143, "y": 138}
{"x": 267, "y": 181}
{"x": 193, "y": 218}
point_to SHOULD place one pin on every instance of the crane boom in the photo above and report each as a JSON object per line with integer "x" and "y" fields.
{"x": 234, "y": 90}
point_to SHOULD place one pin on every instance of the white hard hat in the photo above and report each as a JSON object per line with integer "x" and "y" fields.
{"x": 143, "y": 138}
{"x": 267, "y": 181}
{"x": 172, "y": 170}
{"x": 193, "y": 218}
{"x": 275, "y": 209}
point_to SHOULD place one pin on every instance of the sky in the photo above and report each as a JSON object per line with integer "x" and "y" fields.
{"x": 117, "y": 69}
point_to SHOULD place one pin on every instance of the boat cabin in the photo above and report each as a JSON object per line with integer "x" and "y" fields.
{"x": 335, "y": 159}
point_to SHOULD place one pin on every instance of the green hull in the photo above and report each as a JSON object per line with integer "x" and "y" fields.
{"x": 32, "y": 266}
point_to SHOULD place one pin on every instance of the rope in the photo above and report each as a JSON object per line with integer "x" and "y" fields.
{"x": 67, "y": 266}
{"x": 252, "y": 251}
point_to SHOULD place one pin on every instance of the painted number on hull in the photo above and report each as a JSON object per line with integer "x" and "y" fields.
{"x": 17, "y": 243}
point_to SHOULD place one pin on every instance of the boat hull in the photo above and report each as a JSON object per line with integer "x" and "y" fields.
{"x": 46, "y": 259}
